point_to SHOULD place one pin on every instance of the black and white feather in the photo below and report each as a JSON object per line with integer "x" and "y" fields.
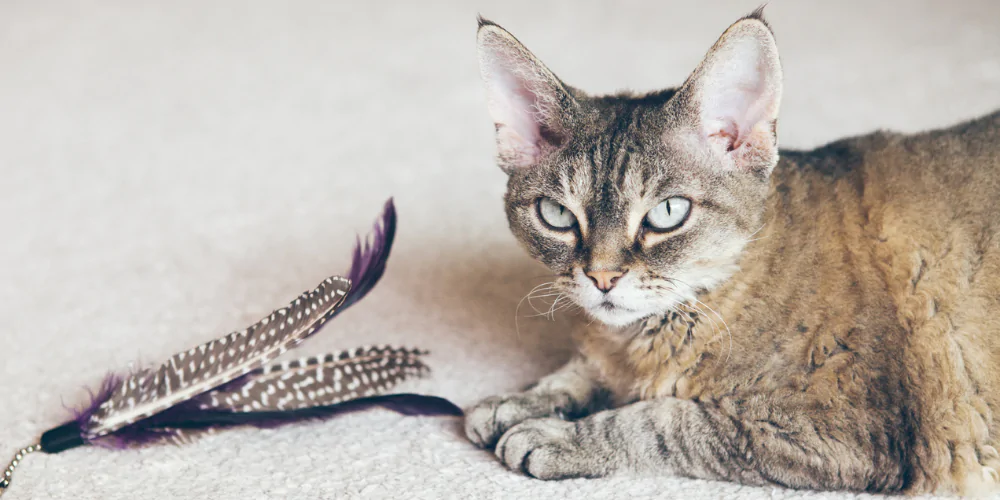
{"x": 188, "y": 374}
{"x": 318, "y": 381}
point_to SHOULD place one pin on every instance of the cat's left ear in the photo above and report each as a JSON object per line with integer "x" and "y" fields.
{"x": 732, "y": 98}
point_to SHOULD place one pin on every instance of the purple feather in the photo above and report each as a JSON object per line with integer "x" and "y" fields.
{"x": 370, "y": 258}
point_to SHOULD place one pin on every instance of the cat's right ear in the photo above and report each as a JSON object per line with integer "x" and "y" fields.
{"x": 530, "y": 107}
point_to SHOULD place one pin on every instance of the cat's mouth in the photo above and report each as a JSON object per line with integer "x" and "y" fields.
{"x": 608, "y": 306}
{"x": 614, "y": 314}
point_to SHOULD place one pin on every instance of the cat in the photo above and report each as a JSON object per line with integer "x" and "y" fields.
{"x": 825, "y": 319}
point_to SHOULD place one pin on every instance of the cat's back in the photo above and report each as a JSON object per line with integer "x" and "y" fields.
{"x": 918, "y": 219}
{"x": 941, "y": 172}
{"x": 956, "y": 169}
{"x": 912, "y": 200}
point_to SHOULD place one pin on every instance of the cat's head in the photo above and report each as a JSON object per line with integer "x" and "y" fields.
{"x": 636, "y": 203}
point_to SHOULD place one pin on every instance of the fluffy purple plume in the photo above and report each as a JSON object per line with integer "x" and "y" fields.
{"x": 111, "y": 382}
{"x": 371, "y": 256}
{"x": 128, "y": 437}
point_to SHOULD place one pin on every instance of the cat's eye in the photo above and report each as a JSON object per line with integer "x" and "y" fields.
{"x": 555, "y": 215}
{"x": 669, "y": 214}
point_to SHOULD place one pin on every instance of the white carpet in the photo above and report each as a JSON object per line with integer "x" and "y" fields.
{"x": 172, "y": 171}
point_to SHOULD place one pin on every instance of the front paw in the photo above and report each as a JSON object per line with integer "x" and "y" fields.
{"x": 548, "y": 448}
{"x": 492, "y": 417}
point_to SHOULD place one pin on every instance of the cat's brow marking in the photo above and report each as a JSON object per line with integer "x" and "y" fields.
{"x": 576, "y": 188}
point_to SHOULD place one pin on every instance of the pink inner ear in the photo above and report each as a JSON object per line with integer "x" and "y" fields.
{"x": 724, "y": 135}
{"x": 522, "y": 121}
{"x": 523, "y": 101}
{"x": 738, "y": 100}
{"x": 514, "y": 107}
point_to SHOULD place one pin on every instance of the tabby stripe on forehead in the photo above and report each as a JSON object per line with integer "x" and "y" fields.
{"x": 169, "y": 385}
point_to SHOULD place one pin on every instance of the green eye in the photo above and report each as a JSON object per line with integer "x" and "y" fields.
{"x": 555, "y": 215}
{"x": 670, "y": 214}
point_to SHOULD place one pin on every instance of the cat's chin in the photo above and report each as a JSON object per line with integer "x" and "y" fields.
{"x": 616, "y": 316}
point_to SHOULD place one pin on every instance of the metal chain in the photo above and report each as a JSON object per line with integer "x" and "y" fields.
{"x": 5, "y": 481}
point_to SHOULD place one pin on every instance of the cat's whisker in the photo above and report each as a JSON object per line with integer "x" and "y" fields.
{"x": 729, "y": 352}
{"x": 693, "y": 308}
{"x": 757, "y": 231}
{"x": 561, "y": 303}
{"x": 547, "y": 311}
{"x": 552, "y": 309}
{"x": 551, "y": 313}
{"x": 723, "y": 320}
{"x": 715, "y": 325}
{"x": 517, "y": 327}
{"x": 543, "y": 291}
{"x": 532, "y": 304}
{"x": 567, "y": 305}
{"x": 750, "y": 238}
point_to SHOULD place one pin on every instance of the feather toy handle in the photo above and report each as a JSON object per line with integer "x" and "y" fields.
{"x": 226, "y": 382}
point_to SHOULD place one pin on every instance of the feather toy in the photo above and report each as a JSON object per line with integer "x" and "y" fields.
{"x": 230, "y": 381}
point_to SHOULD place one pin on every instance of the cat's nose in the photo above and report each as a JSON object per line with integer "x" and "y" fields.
{"x": 604, "y": 280}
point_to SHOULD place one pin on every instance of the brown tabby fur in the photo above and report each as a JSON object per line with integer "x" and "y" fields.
{"x": 855, "y": 343}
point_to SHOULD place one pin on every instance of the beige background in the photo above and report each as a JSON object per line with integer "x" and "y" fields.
{"x": 170, "y": 171}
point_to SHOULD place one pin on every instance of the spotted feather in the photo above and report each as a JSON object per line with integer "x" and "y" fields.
{"x": 317, "y": 381}
{"x": 190, "y": 373}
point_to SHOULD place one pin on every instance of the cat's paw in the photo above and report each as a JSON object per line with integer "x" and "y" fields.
{"x": 492, "y": 417}
{"x": 547, "y": 449}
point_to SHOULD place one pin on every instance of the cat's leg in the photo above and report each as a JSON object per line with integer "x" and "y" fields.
{"x": 569, "y": 392}
{"x": 751, "y": 441}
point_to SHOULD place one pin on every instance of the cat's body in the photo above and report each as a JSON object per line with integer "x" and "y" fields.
{"x": 830, "y": 325}
{"x": 869, "y": 298}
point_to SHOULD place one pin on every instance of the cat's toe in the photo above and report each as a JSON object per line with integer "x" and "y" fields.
{"x": 543, "y": 449}
{"x": 492, "y": 417}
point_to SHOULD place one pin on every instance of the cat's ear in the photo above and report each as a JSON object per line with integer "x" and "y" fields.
{"x": 530, "y": 107}
{"x": 732, "y": 98}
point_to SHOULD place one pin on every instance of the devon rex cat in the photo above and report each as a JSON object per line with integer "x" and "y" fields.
{"x": 827, "y": 320}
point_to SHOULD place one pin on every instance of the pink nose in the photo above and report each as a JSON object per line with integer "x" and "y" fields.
{"x": 604, "y": 280}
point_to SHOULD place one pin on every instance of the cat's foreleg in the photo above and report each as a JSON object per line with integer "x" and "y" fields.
{"x": 569, "y": 392}
{"x": 750, "y": 442}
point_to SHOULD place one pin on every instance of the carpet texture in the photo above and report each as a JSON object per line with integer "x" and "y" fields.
{"x": 170, "y": 171}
